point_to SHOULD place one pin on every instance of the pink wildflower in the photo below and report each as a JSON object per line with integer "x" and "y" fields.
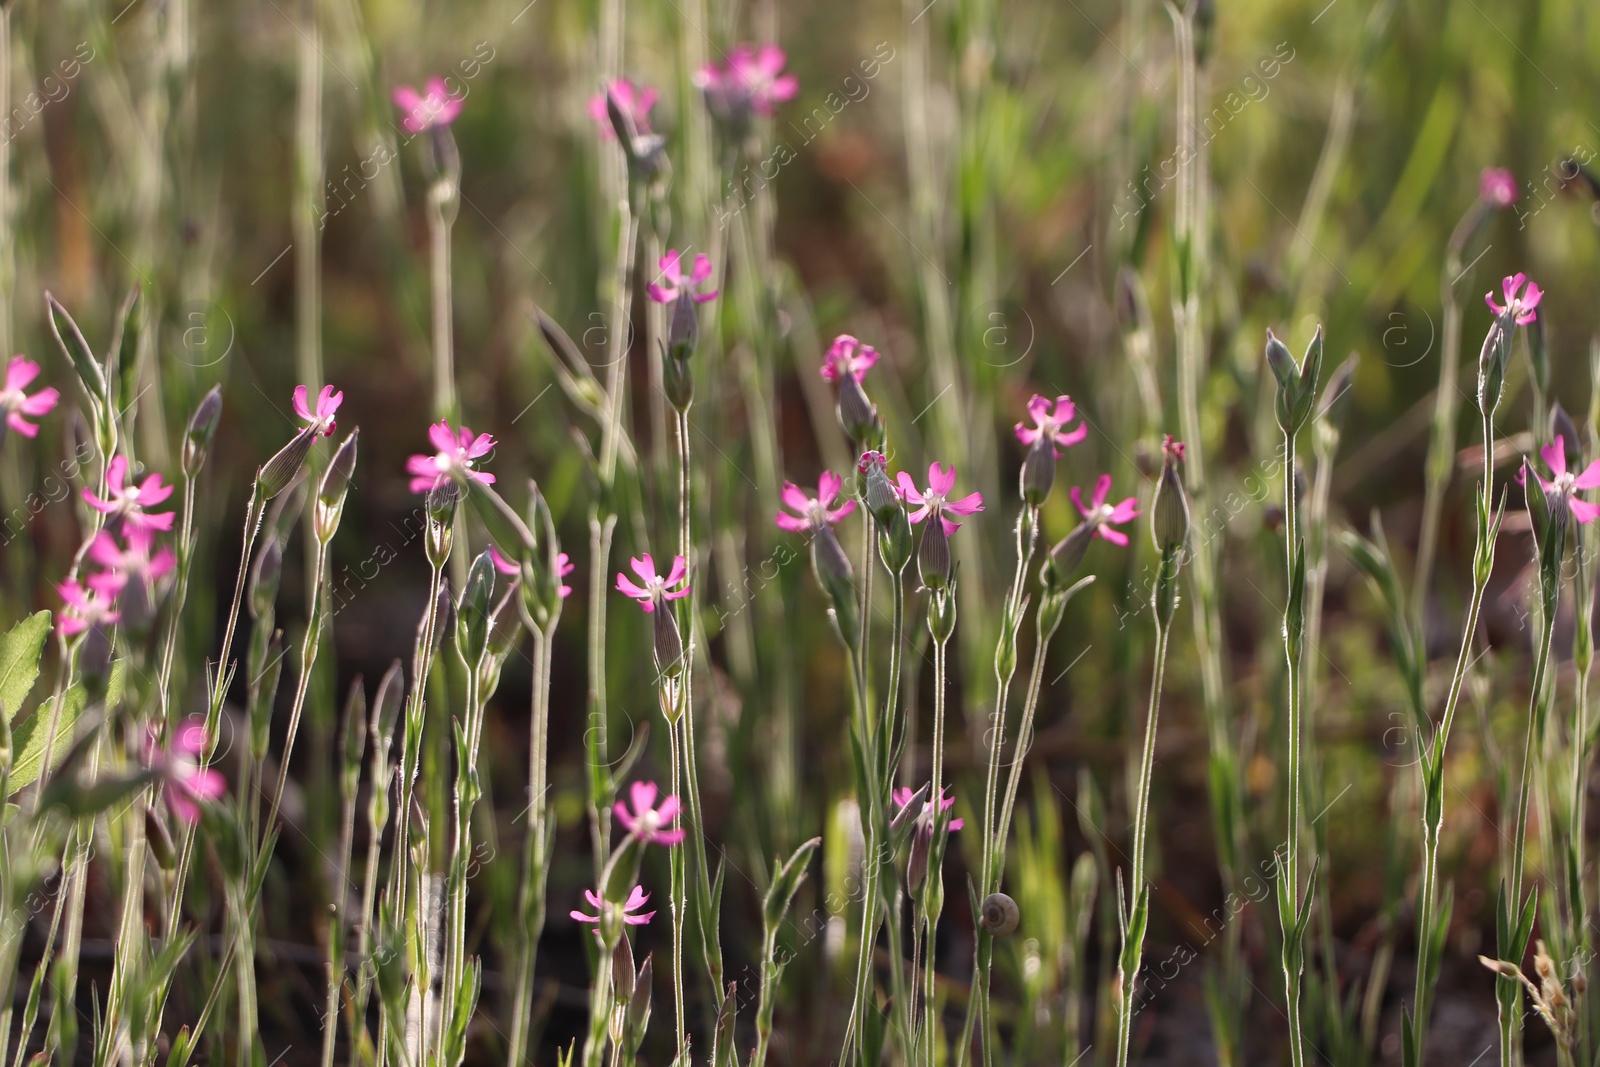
{"x": 1050, "y": 421}
{"x": 128, "y": 502}
{"x": 424, "y": 111}
{"x": 1565, "y": 484}
{"x": 848, "y": 356}
{"x": 89, "y": 604}
{"x": 1519, "y": 306}
{"x": 627, "y": 911}
{"x": 458, "y": 450}
{"x": 633, "y": 101}
{"x": 188, "y": 785}
{"x": 646, "y": 819}
{"x": 1103, "y": 515}
{"x": 672, "y": 270}
{"x": 133, "y": 561}
{"x": 903, "y": 796}
{"x": 15, "y": 403}
{"x": 813, "y": 513}
{"x": 753, "y": 79}
{"x": 1497, "y": 187}
{"x": 655, "y": 588}
{"x": 320, "y": 418}
{"x": 932, "y": 502}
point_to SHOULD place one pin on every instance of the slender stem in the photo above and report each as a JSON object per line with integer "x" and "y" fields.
{"x": 1293, "y": 636}
{"x": 535, "y": 874}
{"x": 1141, "y": 816}
{"x": 679, "y": 895}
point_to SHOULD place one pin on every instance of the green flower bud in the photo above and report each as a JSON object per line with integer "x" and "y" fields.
{"x": 335, "y": 485}
{"x": 933, "y": 554}
{"x": 264, "y": 578}
{"x": 202, "y": 428}
{"x": 1169, "y": 516}
{"x": 472, "y": 611}
{"x": 279, "y": 472}
{"x": 1038, "y": 471}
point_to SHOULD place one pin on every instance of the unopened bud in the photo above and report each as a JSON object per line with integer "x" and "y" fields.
{"x": 942, "y": 614}
{"x": 879, "y": 492}
{"x": 1067, "y": 556}
{"x": 1169, "y": 516}
{"x": 202, "y": 428}
{"x": 677, "y": 380}
{"x": 1492, "y": 360}
{"x": 472, "y": 614}
{"x": 264, "y": 578}
{"x": 335, "y": 485}
{"x": 279, "y": 472}
{"x": 894, "y": 541}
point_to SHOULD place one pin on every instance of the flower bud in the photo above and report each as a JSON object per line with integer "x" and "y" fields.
{"x": 472, "y": 613}
{"x": 1562, "y": 428}
{"x": 878, "y": 493}
{"x": 1169, "y": 516}
{"x": 202, "y": 428}
{"x": 835, "y": 575}
{"x": 894, "y": 541}
{"x": 933, "y": 554}
{"x": 1038, "y": 471}
{"x": 1492, "y": 359}
{"x": 335, "y": 485}
{"x": 264, "y": 578}
{"x": 279, "y": 472}
{"x": 857, "y": 414}
{"x": 942, "y": 613}
{"x": 1067, "y": 556}
{"x": 677, "y": 380}
{"x": 441, "y": 523}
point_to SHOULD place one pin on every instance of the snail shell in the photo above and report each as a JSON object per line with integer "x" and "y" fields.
{"x": 999, "y": 915}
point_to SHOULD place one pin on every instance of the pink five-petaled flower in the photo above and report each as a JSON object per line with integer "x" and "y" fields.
{"x": 627, "y": 911}
{"x": 1497, "y": 187}
{"x": 321, "y": 417}
{"x": 633, "y": 101}
{"x": 932, "y": 501}
{"x": 1102, "y": 514}
{"x": 903, "y": 796}
{"x": 458, "y": 449}
{"x": 655, "y": 588}
{"x": 15, "y": 403}
{"x": 134, "y": 561}
{"x": 1050, "y": 421}
{"x": 91, "y": 604}
{"x": 509, "y": 568}
{"x": 646, "y": 819}
{"x": 1565, "y": 484}
{"x": 672, "y": 270}
{"x": 753, "y": 77}
{"x": 813, "y": 513}
{"x": 848, "y": 356}
{"x": 188, "y": 784}
{"x": 127, "y": 501}
{"x": 424, "y": 111}
{"x": 1519, "y": 305}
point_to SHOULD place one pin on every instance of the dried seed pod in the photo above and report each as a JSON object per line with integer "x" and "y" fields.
{"x": 999, "y": 915}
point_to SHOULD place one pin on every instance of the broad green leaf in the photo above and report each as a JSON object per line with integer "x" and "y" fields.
{"x": 30, "y": 738}
{"x": 20, "y": 650}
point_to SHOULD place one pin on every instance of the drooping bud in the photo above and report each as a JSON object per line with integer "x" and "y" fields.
{"x": 202, "y": 428}
{"x": 1169, "y": 515}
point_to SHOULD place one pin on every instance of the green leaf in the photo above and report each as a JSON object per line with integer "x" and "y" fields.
{"x": 30, "y": 738}
{"x": 20, "y": 651}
